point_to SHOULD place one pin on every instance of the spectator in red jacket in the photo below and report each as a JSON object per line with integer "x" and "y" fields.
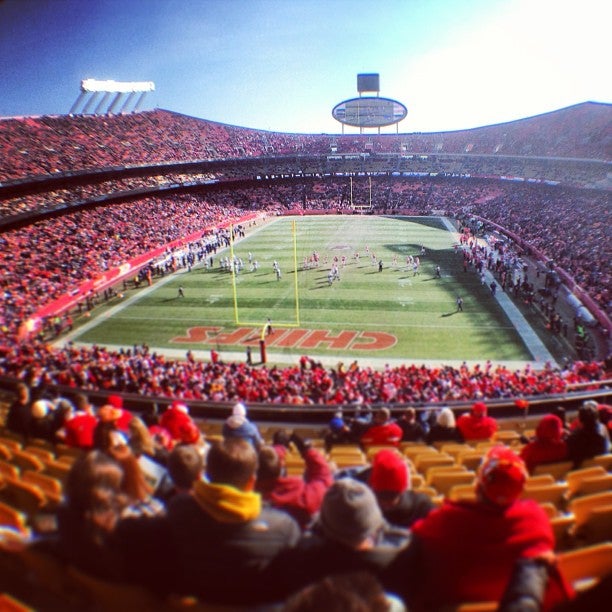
{"x": 466, "y": 551}
{"x": 299, "y": 496}
{"x": 548, "y": 445}
{"x": 176, "y": 421}
{"x": 477, "y": 425}
{"x": 123, "y": 422}
{"x": 79, "y": 430}
{"x": 383, "y": 430}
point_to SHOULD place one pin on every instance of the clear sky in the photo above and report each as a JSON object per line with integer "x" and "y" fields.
{"x": 283, "y": 64}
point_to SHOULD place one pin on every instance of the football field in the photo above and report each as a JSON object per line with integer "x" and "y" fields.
{"x": 394, "y": 313}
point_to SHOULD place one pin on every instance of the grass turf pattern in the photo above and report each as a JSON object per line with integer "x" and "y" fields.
{"x": 419, "y": 310}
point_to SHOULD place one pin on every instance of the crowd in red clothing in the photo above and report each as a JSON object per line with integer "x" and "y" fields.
{"x": 140, "y": 371}
{"x": 50, "y": 144}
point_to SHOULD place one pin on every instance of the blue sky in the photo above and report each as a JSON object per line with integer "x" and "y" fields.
{"x": 283, "y": 64}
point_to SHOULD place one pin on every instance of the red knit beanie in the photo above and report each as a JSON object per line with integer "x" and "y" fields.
{"x": 501, "y": 476}
{"x": 389, "y": 472}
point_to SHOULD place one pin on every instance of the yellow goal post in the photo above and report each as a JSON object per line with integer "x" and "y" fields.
{"x": 264, "y": 325}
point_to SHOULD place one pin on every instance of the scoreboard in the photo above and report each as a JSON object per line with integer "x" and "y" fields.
{"x": 369, "y": 112}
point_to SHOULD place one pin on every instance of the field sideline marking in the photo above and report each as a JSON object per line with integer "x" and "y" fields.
{"x": 532, "y": 341}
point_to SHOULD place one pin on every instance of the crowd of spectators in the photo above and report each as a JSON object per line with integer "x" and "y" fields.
{"x": 143, "y": 372}
{"x": 566, "y": 225}
{"x": 158, "y": 505}
{"x": 49, "y": 144}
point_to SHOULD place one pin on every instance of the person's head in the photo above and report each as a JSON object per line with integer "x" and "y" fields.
{"x": 350, "y": 514}
{"x": 549, "y": 429}
{"x": 40, "y": 409}
{"x": 141, "y": 441}
{"x": 238, "y": 416}
{"x": 281, "y": 437}
{"x": 501, "y": 476}
{"x": 382, "y": 415}
{"x": 23, "y": 393}
{"x": 446, "y": 418}
{"x": 93, "y": 492}
{"x": 81, "y": 403}
{"x": 134, "y": 484}
{"x": 185, "y": 466}
{"x": 479, "y": 410}
{"x": 560, "y": 412}
{"x": 233, "y": 461}
{"x": 410, "y": 415}
{"x": 348, "y": 592}
{"x": 270, "y": 465}
{"x": 389, "y": 477}
{"x": 588, "y": 415}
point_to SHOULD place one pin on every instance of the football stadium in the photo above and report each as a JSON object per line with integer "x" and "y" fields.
{"x": 245, "y": 369}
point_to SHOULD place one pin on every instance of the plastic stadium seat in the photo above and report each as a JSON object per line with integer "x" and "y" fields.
{"x": 471, "y": 459}
{"x": 63, "y": 450}
{"x": 435, "y": 469}
{"x": 13, "y": 518}
{"x": 5, "y": 453}
{"x": 8, "y": 603}
{"x": 557, "y": 470}
{"x": 562, "y": 526}
{"x": 373, "y": 449}
{"x": 58, "y": 470}
{"x": 462, "y": 492}
{"x": 604, "y": 461}
{"x": 41, "y": 453}
{"x": 541, "y": 479}
{"x": 8, "y": 470}
{"x": 575, "y": 477}
{"x": 454, "y": 449}
{"x": 477, "y": 606}
{"x": 51, "y": 487}
{"x": 67, "y": 459}
{"x": 423, "y": 462}
{"x": 581, "y": 507}
{"x": 40, "y": 443}
{"x": 550, "y": 509}
{"x": 443, "y": 482}
{"x": 414, "y": 450}
{"x": 596, "y": 527}
{"x": 11, "y": 443}
{"x": 552, "y": 493}
{"x": 27, "y": 461}
{"x": 24, "y": 496}
{"x": 584, "y": 567}
{"x": 594, "y": 484}
{"x": 507, "y": 436}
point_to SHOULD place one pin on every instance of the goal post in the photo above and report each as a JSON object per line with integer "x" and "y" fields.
{"x": 264, "y": 324}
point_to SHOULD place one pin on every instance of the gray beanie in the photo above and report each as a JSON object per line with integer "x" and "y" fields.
{"x": 350, "y": 513}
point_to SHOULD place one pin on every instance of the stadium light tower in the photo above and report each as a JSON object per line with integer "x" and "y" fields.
{"x": 90, "y": 88}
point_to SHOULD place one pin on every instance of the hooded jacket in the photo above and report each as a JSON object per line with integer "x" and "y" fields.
{"x": 476, "y": 425}
{"x": 225, "y": 541}
{"x": 548, "y": 445}
{"x": 300, "y": 496}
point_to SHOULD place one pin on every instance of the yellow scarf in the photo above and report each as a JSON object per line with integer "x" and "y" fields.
{"x": 227, "y": 504}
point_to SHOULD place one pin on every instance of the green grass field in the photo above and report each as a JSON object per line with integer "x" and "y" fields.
{"x": 390, "y": 314}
